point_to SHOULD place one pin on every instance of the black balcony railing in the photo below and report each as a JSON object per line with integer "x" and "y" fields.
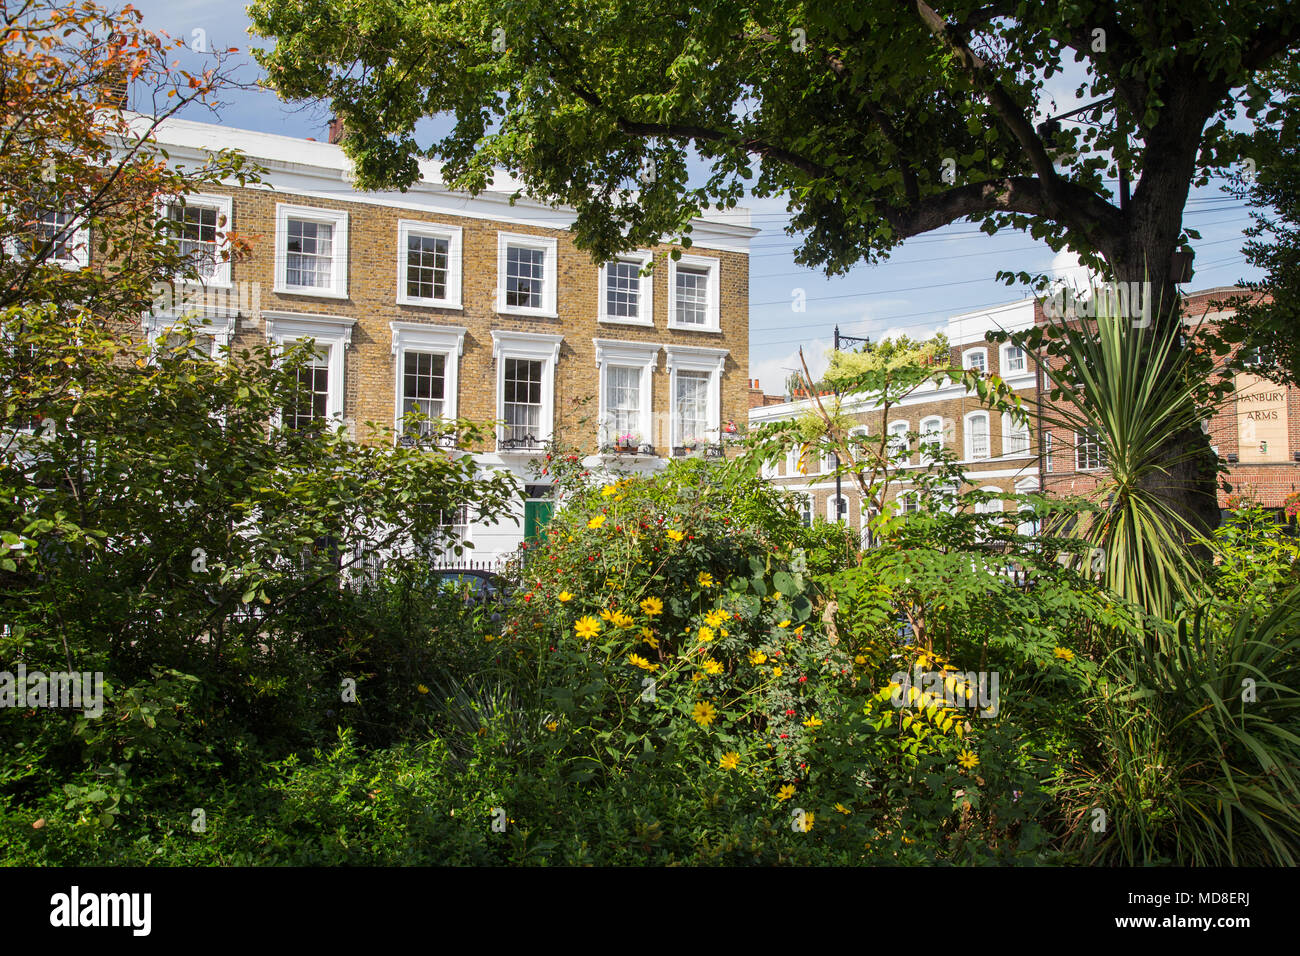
{"x": 521, "y": 443}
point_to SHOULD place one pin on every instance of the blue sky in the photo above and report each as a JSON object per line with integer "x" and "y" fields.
{"x": 929, "y": 278}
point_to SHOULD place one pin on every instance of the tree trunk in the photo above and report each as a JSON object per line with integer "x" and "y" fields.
{"x": 1186, "y": 478}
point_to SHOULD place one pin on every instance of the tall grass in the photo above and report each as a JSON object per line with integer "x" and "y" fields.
{"x": 1195, "y": 749}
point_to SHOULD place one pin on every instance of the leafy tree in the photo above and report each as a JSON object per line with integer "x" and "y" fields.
{"x": 80, "y": 177}
{"x": 878, "y": 120}
{"x": 1267, "y": 322}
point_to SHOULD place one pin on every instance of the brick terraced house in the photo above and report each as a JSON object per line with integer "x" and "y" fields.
{"x": 996, "y": 453}
{"x": 1257, "y": 431}
{"x": 474, "y": 307}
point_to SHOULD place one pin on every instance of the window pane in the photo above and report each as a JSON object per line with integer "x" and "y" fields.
{"x": 979, "y": 437}
{"x": 427, "y": 260}
{"x": 525, "y": 277}
{"x": 692, "y": 407}
{"x": 313, "y": 393}
{"x": 623, "y": 404}
{"x": 423, "y": 383}
{"x": 55, "y": 228}
{"x": 623, "y": 289}
{"x": 692, "y": 296}
{"x": 523, "y": 402}
{"x": 195, "y": 229}
{"x": 310, "y": 253}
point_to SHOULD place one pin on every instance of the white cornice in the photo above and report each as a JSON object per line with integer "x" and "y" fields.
{"x": 322, "y": 170}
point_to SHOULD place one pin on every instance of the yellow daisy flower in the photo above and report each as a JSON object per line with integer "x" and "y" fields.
{"x": 968, "y": 760}
{"x": 675, "y": 534}
{"x": 620, "y": 619}
{"x": 786, "y": 792}
{"x": 757, "y": 657}
{"x": 553, "y": 725}
{"x": 608, "y": 490}
{"x": 586, "y": 627}
{"x": 706, "y": 634}
{"x": 697, "y": 676}
{"x": 636, "y": 660}
{"x": 421, "y": 689}
{"x": 785, "y": 623}
{"x": 730, "y": 760}
{"x": 711, "y": 666}
{"x": 596, "y": 522}
{"x": 705, "y": 579}
{"x": 564, "y": 596}
{"x": 808, "y": 819}
{"x": 704, "y": 713}
{"x": 717, "y": 617}
{"x": 1064, "y": 653}
{"x": 652, "y": 607}
{"x": 812, "y": 722}
{"x": 776, "y": 672}
{"x": 843, "y": 809}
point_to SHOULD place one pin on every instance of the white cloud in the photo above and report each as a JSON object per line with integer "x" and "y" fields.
{"x": 1070, "y": 272}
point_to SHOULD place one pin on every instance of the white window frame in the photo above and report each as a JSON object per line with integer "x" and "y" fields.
{"x": 967, "y": 355}
{"x": 1005, "y": 360}
{"x": 338, "y": 218}
{"x": 826, "y": 459}
{"x": 645, "y": 292}
{"x": 1047, "y": 452}
{"x": 407, "y": 228}
{"x": 78, "y": 239}
{"x": 968, "y": 435}
{"x": 332, "y": 333}
{"x": 806, "y": 506}
{"x": 770, "y": 469}
{"x": 445, "y": 340}
{"x": 530, "y": 346}
{"x": 1081, "y": 440}
{"x": 994, "y": 507}
{"x": 225, "y": 207}
{"x": 832, "y": 517}
{"x": 549, "y": 246}
{"x": 899, "y": 429}
{"x": 214, "y": 324}
{"x": 792, "y": 463}
{"x": 1010, "y": 429}
{"x": 713, "y": 314}
{"x": 1026, "y": 486}
{"x": 928, "y": 436}
{"x": 643, "y": 356}
{"x": 690, "y": 358}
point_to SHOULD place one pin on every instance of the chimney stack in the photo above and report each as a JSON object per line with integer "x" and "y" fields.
{"x": 338, "y": 132}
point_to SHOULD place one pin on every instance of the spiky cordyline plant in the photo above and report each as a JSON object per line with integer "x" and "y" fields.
{"x": 1135, "y": 386}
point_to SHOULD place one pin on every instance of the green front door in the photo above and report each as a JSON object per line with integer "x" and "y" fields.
{"x": 536, "y": 516}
